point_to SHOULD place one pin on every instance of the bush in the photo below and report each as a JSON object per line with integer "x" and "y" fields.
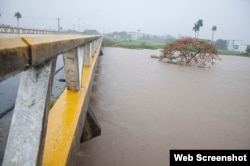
{"x": 190, "y": 51}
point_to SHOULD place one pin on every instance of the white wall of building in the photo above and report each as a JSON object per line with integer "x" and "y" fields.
{"x": 236, "y": 45}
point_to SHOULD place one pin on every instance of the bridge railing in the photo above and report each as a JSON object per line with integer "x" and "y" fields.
{"x": 16, "y": 30}
{"x": 38, "y": 136}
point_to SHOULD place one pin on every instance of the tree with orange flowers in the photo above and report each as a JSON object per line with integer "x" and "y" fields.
{"x": 189, "y": 50}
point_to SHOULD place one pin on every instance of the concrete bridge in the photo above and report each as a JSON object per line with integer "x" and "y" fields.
{"x": 15, "y": 30}
{"x": 39, "y": 135}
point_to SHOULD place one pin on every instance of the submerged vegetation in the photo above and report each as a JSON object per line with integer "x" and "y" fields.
{"x": 189, "y": 50}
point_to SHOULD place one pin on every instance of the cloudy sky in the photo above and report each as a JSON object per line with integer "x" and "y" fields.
{"x": 160, "y": 17}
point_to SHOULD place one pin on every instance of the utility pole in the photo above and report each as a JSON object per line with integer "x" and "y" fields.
{"x": 58, "y": 23}
{"x": 79, "y": 22}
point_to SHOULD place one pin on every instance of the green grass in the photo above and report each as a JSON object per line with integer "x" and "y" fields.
{"x": 52, "y": 102}
{"x": 134, "y": 44}
{"x": 233, "y": 53}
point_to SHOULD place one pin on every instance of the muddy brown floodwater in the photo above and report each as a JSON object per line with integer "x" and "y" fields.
{"x": 146, "y": 107}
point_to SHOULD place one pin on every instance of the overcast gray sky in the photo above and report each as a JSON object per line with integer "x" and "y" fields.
{"x": 160, "y": 17}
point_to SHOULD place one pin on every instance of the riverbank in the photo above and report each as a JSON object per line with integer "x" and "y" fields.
{"x": 138, "y": 44}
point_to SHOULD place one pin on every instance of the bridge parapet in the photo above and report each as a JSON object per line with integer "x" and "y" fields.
{"x": 16, "y": 30}
{"x": 38, "y": 136}
{"x": 17, "y": 54}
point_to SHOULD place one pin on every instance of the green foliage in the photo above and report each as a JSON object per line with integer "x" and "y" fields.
{"x": 169, "y": 39}
{"x": 52, "y": 103}
{"x": 197, "y": 26}
{"x": 248, "y": 49}
{"x": 133, "y": 44}
{"x": 227, "y": 52}
{"x": 233, "y": 53}
{"x": 214, "y": 28}
{"x": 18, "y": 15}
{"x": 221, "y": 44}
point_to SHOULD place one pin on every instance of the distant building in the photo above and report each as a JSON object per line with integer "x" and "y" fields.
{"x": 236, "y": 45}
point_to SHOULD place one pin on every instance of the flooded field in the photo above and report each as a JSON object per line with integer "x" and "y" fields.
{"x": 146, "y": 108}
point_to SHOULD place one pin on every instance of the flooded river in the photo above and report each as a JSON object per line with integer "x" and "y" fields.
{"x": 146, "y": 107}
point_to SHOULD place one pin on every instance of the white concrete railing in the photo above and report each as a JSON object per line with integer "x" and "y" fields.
{"x": 15, "y": 30}
{"x": 36, "y": 57}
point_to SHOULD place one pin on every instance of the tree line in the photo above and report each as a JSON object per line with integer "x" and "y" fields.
{"x": 197, "y": 27}
{"x": 18, "y": 16}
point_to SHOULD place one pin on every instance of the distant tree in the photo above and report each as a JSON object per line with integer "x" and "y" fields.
{"x": 221, "y": 44}
{"x": 91, "y": 32}
{"x": 195, "y": 29}
{"x": 114, "y": 34}
{"x": 200, "y": 24}
{"x": 146, "y": 38}
{"x": 189, "y": 50}
{"x": 214, "y": 28}
{"x": 123, "y": 34}
{"x": 129, "y": 37}
{"x": 18, "y": 16}
{"x": 169, "y": 39}
{"x": 157, "y": 38}
{"x": 248, "y": 50}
